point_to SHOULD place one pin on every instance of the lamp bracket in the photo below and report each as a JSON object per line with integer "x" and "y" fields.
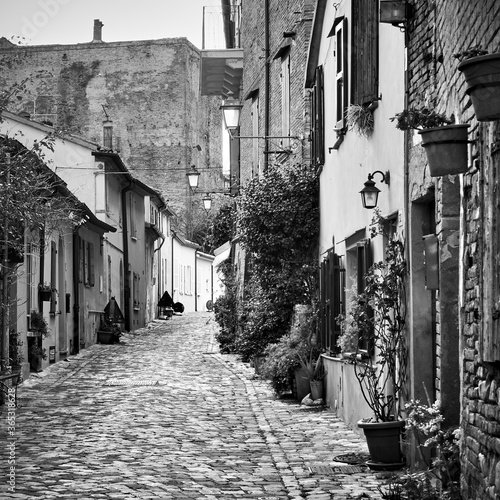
{"x": 386, "y": 177}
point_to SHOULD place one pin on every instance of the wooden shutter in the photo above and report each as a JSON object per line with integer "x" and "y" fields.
{"x": 53, "y": 276}
{"x": 91, "y": 264}
{"x": 341, "y": 73}
{"x": 317, "y": 119}
{"x": 490, "y": 331}
{"x": 332, "y": 299}
{"x": 364, "y": 262}
{"x": 364, "y": 60}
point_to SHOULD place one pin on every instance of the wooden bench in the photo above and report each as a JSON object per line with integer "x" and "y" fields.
{"x": 5, "y": 387}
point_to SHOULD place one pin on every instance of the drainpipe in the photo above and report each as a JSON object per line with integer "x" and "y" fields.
{"x": 196, "y": 280}
{"x": 76, "y": 292}
{"x": 267, "y": 84}
{"x": 126, "y": 272}
{"x": 172, "y": 266}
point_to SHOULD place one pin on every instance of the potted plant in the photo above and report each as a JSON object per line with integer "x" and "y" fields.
{"x": 314, "y": 372}
{"x": 445, "y": 143}
{"x": 379, "y": 319}
{"x": 15, "y": 351}
{"x": 360, "y": 119}
{"x": 45, "y": 292}
{"x": 39, "y": 330}
{"x": 482, "y": 74}
{"x": 108, "y": 332}
{"x": 282, "y": 364}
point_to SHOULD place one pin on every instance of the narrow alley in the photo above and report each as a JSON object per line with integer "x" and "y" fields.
{"x": 164, "y": 415}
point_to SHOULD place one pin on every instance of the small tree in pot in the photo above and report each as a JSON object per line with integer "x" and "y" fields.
{"x": 378, "y": 316}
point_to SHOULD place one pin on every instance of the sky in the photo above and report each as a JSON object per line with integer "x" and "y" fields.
{"x": 40, "y": 22}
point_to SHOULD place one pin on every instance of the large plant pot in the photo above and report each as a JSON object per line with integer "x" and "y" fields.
{"x": 301, "y": 387}
{"x": 316, "y": 389}
{"x": 446, "y": 149}
{"x": 482, "y": 74}
{"x": 384, "y": 444}
{"x": 105, "y": 337}
{"x": 45, "y": 295}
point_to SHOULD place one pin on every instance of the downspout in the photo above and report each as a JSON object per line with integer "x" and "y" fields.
{"x": 76, "y": 292}
{"x": 126, "y": 272}
{"x": 267, "y": 84}
{"x": 172, "y": 266}
{"x": 196, "y": 280}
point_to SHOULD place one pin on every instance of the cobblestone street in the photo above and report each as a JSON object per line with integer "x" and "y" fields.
{"x": 164, "y": 415}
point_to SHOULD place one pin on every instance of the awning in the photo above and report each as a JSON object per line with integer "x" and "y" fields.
{"x": 222, "y": 253}
{"x": 221, "y": 71}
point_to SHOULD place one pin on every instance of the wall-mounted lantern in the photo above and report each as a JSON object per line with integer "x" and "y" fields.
{"x": 231, "y": 111}
{"x": 193, "y": 177}
{"x": 207, "y": 202}
{"x": 369, "y": 194}
{"x": 395, "y": 12}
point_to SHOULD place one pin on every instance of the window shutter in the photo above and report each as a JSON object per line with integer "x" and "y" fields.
{"x": 53, "y": 276}
{"x": 317, "y": 119}
{"x": 91, "y": 265}
{"x": 341, "y": 77}
{"x": 364, "y": 71}
{"x": 332, "y": 299}
{"x": 364, "y": 258}
{"x": 86, "y": 262}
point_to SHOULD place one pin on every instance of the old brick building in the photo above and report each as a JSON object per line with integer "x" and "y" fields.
{"x": 463, "y": 212}
{"x": 140, "y": 98}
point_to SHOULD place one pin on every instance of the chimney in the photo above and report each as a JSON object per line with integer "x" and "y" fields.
{"x": 97, "y": 31}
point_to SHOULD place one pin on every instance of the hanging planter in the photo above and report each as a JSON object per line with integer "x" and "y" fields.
{"x": 482, "y": 74}
{"x": 445, "y": 143}
{"x": 446, "y": 149}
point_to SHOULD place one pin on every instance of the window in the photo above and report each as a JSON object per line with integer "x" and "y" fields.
{"x": 341, "y": 69}
{"x": 87, "y": 266}
{"x": 317, "y": 120}
{"x": 285, "y": 99}
{"x": 364, "y": 67}
{"x": 107, "y": 132}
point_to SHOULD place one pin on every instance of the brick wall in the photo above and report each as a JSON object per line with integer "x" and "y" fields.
{"x": 437, "y": 31}
{"x": 291, "y": 15}
{"x": 151, "y": 92}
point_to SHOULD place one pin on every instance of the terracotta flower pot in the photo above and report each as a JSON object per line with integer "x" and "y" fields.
{"x": 384, "y": 444}
{"x": 446, "y": 149}
{"x": 316, "y": 389}
{"x": 482, "y": 74}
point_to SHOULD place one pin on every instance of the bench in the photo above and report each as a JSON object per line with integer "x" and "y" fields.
{"x": 14, "y": 377}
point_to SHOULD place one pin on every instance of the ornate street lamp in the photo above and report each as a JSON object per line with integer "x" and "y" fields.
{"x": 369, "y": 194}
{"x": 207, "y": 202}
{"x": 193, "y": 177}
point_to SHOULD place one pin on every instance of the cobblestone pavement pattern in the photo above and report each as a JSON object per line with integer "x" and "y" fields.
{"x": 164, "y": 415}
